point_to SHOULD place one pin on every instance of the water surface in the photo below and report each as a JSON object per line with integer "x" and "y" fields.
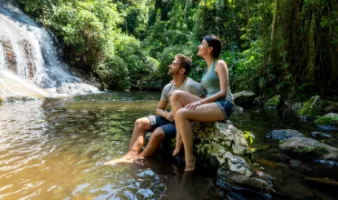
{"x": 55, "y": 149}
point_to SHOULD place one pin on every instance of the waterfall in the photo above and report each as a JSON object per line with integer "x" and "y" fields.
{"x": 28, "y": 50}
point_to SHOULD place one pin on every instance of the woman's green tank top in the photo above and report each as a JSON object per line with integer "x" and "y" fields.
{"x": 210, "y": 82}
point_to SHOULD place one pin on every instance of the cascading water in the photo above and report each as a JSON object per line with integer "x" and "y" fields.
{"x": 28, "y": 51}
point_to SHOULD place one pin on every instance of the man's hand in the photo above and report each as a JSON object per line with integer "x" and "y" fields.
{"x": 169, "y": 116}
{"x": 193, "y": 105}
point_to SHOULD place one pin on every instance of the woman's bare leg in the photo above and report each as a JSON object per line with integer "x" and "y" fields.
{"x": 204, "y": 113}
{"x": 178, "y": 100}
{"x": 178, "y": 144}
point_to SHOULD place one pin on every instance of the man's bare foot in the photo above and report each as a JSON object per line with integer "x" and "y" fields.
{"x": 190, "y": 165}
{"x": 128, "y": 158}
{"x": 176, "y": 151}
{"x": 139, "y": 159}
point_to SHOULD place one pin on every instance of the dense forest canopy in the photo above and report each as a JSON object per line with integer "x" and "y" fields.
{"x": 286, "y": 47}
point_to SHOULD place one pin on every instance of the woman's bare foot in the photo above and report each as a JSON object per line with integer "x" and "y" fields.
{"x": 176, "y": 151}
{"x": 190, "y": 165}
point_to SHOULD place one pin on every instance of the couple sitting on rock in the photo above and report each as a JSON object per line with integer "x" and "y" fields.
{"x": 189, "y": 102}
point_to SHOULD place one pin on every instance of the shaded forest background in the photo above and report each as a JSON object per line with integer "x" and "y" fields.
{"x": 287, "y": 47}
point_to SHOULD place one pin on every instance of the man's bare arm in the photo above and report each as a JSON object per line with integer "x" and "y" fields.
{"x": 160, "y": 110}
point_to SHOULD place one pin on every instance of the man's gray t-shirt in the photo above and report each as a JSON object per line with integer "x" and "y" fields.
{"x": 188, "y": 85}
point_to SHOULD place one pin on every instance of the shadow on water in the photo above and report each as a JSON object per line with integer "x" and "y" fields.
{"x": 57, "y": 148}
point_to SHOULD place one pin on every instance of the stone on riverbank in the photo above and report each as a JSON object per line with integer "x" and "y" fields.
{"x": 284, "y": 134}
{"x": 307, "y": 147}
{"x": 244, "y": 98}
{"x": 311, "y": 108}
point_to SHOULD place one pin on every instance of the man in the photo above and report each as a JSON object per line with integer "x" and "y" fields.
{"x": 162, "y": 124}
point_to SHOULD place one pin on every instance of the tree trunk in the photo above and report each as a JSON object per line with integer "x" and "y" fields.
{"x": 274, "y": 22}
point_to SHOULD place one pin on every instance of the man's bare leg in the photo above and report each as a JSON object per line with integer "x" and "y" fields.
{"x": 136, "y": 142}
{"x": 154, "y": 142}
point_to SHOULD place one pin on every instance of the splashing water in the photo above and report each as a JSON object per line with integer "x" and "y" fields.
{"x": 28, "y": 51}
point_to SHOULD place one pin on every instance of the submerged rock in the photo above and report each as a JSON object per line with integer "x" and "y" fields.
{"x": 311, "y": 108}
{"x": 244, "y": 98}
{"x": 283, "y": 134}
{"x": 307, "y": 147}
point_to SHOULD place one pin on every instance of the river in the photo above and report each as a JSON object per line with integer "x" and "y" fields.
{"x": 55, "y": 149}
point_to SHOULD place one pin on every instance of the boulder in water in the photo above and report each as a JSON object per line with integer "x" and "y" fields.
{"x": 244, "y": 98}
{"x": 284, "y": 134}
{"x": 328, "y": 121}
{"x": 227, "y": 144}
{"x": 276, "y": 102}
{"x": 311, "y": 108}
{"x": 309, "y": 148}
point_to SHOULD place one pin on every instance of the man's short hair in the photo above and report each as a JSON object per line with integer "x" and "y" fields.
{"x": 184, "y": 62}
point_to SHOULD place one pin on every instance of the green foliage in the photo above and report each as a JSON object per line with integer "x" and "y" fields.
{"x": 129, "y": 44}
{"x": 1, "y": 100}
{"x": 249, "y": 136}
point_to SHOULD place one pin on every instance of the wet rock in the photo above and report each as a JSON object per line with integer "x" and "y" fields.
{"x": 276, "y": 102}
{"x": 311, "y": 108}
{"x": 284, "y": 134}
{"x": 217, "y": 138}
{"x": 244, "y": 98}
{"x": 228, "y": 145}
{"x": 307, "y": 147}
{"x": 319, "y": 135}
{"x": 328, "y": 122}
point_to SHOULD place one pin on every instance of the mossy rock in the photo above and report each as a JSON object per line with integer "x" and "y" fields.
{"x": 329, "y": 119}
{"x": 274, "y": 102}
{"x": 311, "y": 108}
{"x": 309, "y": 148}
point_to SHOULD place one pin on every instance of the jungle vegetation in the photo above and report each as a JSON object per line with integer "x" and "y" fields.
{"x": 286, "y": 47}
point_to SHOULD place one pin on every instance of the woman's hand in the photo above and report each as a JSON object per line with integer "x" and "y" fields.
{"x": 169, "y": 116}
{"x": 193, "y": 105}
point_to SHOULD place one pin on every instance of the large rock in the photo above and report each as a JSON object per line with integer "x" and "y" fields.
{"x": 283, "y": 134}
{"x": 227, "y": 145}
{"x": 244, "y": 98}
{"x": 328, "y": 121}
{"x": 311, "y": 108}
{"x": 307, "y": 147}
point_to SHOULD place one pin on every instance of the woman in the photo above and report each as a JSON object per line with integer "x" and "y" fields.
{"x": 216, "y": 106}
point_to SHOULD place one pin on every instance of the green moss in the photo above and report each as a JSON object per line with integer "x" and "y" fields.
{"x": 325, "y": 120}
{"x": 274, "y": 101}
{"x": 1, "y": 100}
{"x": 311, "y": 108}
